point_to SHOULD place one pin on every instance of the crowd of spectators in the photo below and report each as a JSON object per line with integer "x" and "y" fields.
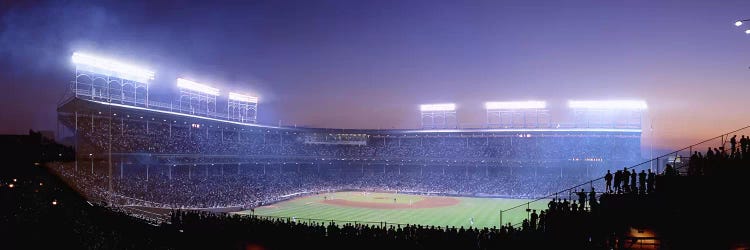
{"x": 721, "y": 160}
{"x": 255, "y": 231}
{"x": 237, "y": 168}
{"x": 135, "y": 136}
{"x": 250, "y": 186}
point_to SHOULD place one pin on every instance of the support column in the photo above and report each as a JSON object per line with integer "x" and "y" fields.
{"x": 109, "y": 155}
{"x": 75, "y": 140}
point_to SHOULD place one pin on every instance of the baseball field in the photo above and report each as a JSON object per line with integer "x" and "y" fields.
{"x": 375, "y": 208}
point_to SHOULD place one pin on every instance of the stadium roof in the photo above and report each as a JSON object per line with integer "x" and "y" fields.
{"x": 78, "y": 104}
{"x": 74, "y": 103}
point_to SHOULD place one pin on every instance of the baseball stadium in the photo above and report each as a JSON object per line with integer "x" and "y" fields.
{"x": 201, "y": 151}
{"x": 265, "y": 125}
{"x": 200, "y": 159}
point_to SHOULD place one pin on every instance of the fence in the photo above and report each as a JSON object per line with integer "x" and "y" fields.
{"x": 678, "y": 159}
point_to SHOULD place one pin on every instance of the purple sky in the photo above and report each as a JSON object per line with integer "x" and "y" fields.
{"x": 359, "y": 64}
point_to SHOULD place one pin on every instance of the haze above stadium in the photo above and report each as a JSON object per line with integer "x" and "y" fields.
{"x": 355, "y": 64}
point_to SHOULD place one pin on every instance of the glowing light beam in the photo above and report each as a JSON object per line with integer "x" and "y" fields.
{"x": 515, "y": 105}
{"x": 194, "y": 86}
{"x": 438, "y": 107}
{"x": 618, "y": 104}
{"x": 242, "y": 98}
{"x": 111, "y": 67}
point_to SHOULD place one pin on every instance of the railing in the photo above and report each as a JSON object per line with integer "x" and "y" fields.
{"x": 382, "y": 224}
{"x": 678, "y": 159}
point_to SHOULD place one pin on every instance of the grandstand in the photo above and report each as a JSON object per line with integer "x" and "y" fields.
{"x": 152, "y": 158}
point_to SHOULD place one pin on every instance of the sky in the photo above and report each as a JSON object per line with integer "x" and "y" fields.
{"x": 369, "y": 64}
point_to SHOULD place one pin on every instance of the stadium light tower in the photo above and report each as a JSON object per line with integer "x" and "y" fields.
{"x": 608, "y": 114}
{"x": 105, "y": 79}
{"x": 198, "y": 96}
{"x": 438, "y": 115}
{"x": 517, "y": 114}
{"x": 243, "y": 108}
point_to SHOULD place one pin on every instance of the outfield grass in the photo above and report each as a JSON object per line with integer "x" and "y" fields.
{"x": 485, "y": 211}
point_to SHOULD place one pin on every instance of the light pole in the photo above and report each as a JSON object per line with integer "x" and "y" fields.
{"x": 91, "y": 156}
{"x": 651, "y": 143}
{"x": 739, "y": 23}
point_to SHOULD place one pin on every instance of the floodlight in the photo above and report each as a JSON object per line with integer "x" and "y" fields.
{"x": 242, "y": 98}
{"x": 621, "y": 104}
{"x": 747, "y": 32}
{"x": 107, "y": 66}
{"x": 194, "y": 86}
{"x": 738, "y": 23}
{"x": 438, "y": 107}
{"x": 515, "y": 105}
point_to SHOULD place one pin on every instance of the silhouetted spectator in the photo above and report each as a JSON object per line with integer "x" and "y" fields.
{"x": 733, "y": 144}
{"x": 670, "y": 171}
{"x": 651, "y": 177}
{"x": 618, "y": 179}
{"x": 608, "y": 180}
{"x": 633, "y": 176}
{"x": 552, "y": 205}
{"x": 693, "y": 164}
{"x": 582, "y": 197}
{"x": 626, "y": 180}
{"x": 642, "y": 182}
{"x": 534, "y": 219}
{"x": 542, "y": 221}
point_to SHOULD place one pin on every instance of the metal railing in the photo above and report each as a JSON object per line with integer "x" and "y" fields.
{"x": 678, "y": 159}
{"x": 154, "y": 105}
